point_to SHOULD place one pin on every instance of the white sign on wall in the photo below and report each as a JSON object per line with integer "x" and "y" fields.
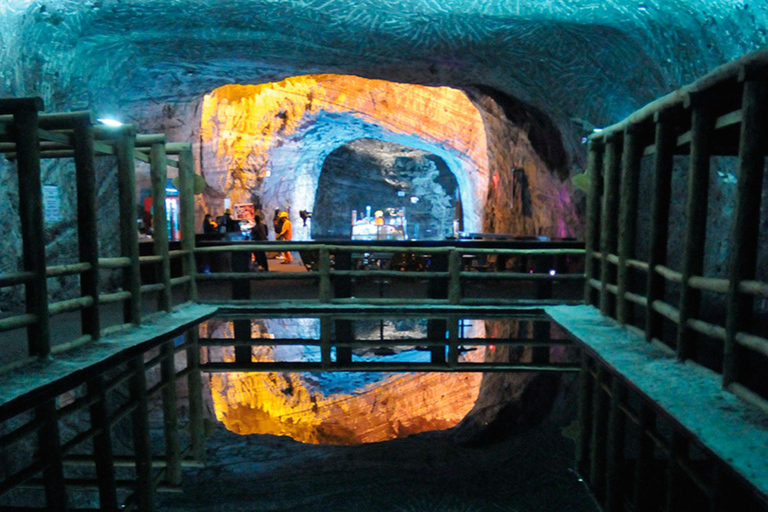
{"x": 51, "y": 203}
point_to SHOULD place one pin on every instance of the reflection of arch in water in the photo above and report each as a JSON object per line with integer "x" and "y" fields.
{"x": 383, "y": 175}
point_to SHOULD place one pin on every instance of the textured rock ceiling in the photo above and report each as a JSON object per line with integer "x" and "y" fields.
{"x": 593, "y": 59}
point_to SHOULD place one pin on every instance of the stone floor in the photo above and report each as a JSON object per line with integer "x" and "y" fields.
{"x": 528, "y": 472}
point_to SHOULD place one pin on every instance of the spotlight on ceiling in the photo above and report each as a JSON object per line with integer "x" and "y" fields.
{"x": 414, "y": 200}
{"x": 109, "y": 122}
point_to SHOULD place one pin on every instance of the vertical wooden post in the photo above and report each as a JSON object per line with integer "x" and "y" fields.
{"x": 27, "y": 140}
{"x": 746, "y": 226}
{"x": 586, "y": 399}
{"x": 345, "y": 331}
{"x": 129, "y": 235}
{"x": 454, "y": 281}
{"x": 630, "y": 178}
{"x": 342, "y": 288}
{"x": 142, "y": 446}
{"x": 187, "y": 218}
{"x": 645, "y": 446}
{"x": 170, "y": 414}
{"x": 326, "y": 333}
{"x": 102, "y": 446}
{"x": 615, "y": 449}
{"x": 678, "y": 450}
{"x": 609, "y": 221}
{"x": 665, "y": 140}
{"x": 599, "y": 435}
{"x": 696, "y": 221}
{"x": 437, "y": 289}
{"x": 49, "y": 444}
{"x": 194, "y": 381}
{"x": 592, "y": 233}
{"x": 325, "y": 293}
{"x": 158, "y": 175}
{"x": 87, "y": 228}
{"x": 243, "y": 353}
{"x": 453, "y": 341}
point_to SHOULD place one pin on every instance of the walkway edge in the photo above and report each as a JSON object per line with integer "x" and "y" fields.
{"x": 731, "y": 429}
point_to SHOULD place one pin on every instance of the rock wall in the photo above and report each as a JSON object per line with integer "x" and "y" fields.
{"x": 368, "y": 172}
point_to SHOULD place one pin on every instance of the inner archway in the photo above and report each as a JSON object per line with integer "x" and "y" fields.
{"x": 369, "y": 175}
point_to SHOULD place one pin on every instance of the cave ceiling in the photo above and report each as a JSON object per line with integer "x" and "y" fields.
{"x": 586, "y": 59}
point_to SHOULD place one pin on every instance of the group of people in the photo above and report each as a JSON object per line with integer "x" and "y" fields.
{"x": 259, "y": 232}
{"x": 225, "y": 221}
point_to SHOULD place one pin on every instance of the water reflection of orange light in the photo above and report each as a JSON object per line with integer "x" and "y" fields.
{"x": 397, "y": 406}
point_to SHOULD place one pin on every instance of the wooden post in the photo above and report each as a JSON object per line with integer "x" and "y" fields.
{"x": 585, "y": 416}
{"x": 453, "y": 341}
{"x": 158, "y": 174}
{"x": 454, "y": 283}
{"x": 542, "y": 330}
{"x": 325, "y": 293}
{"x": 599, "y": 435}
{"x": 630, "y": 177}
{"x": 345, "y": 331}
{"x": 194, "y": 381}
{"x": 746, "y": 226}
{"x": 645, "y": 447}
{"x": 592, "y": 233}
{"x": 187, "y": 218}
{"x": 662, "y": 189}
{"x": 326, "y": 333}
{"x": 696, "y": 221}
{"x": 87, "y": 228}
{"x": 609, "y": 221}
{"x": 27, "y": 140}
{"x": 142, "y": 446}
{"x": 49, "y": 444}
{"x": 615, "y": 449}
{"x": 437, "y": 289}
{"x": 102, "y": 446}
{"x": 342, "y": 288}
{"x": 170, "y": 414}
{"x": 243, "y": 353}
{"x": 678, "y": 450}
{"x": 129, "y": 236}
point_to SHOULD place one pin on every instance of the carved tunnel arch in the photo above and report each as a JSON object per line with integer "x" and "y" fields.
{"x": 267, "y": 143}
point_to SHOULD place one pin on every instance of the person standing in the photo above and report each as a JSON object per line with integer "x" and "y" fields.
{"x": 286, "y": 233}
{"x": 259, "y": 234}
{"x": 209, "y": 226}
{"x": 229, "y": 222}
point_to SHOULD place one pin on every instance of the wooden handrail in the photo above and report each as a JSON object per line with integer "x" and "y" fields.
{"x": 67, "y": 270}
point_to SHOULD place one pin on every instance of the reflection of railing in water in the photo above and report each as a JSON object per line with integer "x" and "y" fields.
{"x": 444, "y": 341}
{"x": 68, "y": 422}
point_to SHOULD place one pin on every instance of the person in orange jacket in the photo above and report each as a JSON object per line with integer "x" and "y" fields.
{"x": 286, "y": 233}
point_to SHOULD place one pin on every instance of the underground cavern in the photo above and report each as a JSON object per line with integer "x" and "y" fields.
{"x": 526, "y": 269}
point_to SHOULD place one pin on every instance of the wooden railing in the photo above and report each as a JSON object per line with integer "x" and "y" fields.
{"x": 26, "y": 137}
{"x": 115, "y": 396}
{"x": 724, "y": 113}
{"x": 445, "y": 265}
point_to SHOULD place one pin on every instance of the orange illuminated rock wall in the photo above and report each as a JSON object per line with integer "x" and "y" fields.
{"x": 288, "y": 404}
{"x": 258, "y": 145}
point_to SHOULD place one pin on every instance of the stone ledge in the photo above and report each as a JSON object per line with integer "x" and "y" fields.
{"x": 731, "y": 429}
{"x": 26, "y": 387}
